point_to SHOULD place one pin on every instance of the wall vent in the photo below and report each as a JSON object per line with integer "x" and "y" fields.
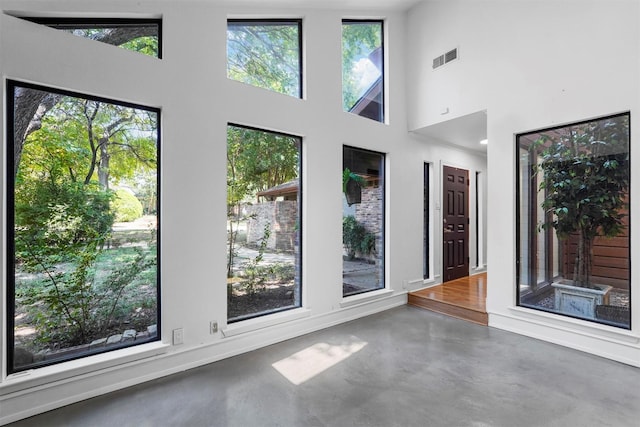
{"x": 437, "y": 62}
{"x": 445, "y": 58}
{"x": 450, "y": 56}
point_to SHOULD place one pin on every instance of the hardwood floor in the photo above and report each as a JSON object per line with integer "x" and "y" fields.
{"x": 462, "y": 298}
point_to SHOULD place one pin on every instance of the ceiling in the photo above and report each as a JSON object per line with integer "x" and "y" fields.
{"x": 466, "y": 131}
{"x": 332, "y": 4}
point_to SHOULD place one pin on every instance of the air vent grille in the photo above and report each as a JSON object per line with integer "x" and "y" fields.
{"x": 445, "y": 58}
{"x": 438, "y": 61}
{"x": 450, "y": 56}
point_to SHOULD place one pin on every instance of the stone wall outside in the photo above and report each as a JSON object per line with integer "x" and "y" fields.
{"x": 370, "y": 213}
{"x": 281, "y": 216}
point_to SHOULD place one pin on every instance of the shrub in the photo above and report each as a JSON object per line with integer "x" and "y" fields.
{"x": 355, "y": 238}
{"x": 74, "y": 307}
{"x": 126, "y": 206}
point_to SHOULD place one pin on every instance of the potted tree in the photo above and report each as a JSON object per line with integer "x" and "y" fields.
{"x": 585, "y": 180}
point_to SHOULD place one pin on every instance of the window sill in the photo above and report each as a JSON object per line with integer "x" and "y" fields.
{"x": 87, "y": 365}
{"x": 569, "y": 324}
{"x": 365, "y": 297}
{"x": 265, "y": 321}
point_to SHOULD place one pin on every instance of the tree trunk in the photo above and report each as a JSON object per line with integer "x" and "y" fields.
{"x": 584, "y": 258}
{"x": 232, "y": 242}
{"x": 103, "y": 165}
{"x": 30, "y": 106}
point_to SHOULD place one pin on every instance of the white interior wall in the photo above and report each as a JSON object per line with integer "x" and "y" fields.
{"x": 190, "y": 86}
{"x": 530, "y": 64}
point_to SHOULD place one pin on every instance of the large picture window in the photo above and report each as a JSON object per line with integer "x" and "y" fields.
{"x": 363, "y": 68}
{"x": 362, "y": 221}
{"x": 266, "y": 54}
{"x": 82, "y": 234}
{"x": 264, "y": 193}
{"x": 573, "y": 220}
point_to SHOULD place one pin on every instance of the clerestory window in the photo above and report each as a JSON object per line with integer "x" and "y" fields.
{"x": 363, "y": 68}
{"x": 266, "y": 54}
{"x": 138, "y": 35}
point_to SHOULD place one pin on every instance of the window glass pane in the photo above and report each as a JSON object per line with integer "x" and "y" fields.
{"x": 363, "y": 69}
{"x": 574, "y": 192}
{"x": 82, "y": 225}
{"x": 263, "y": 226}
{"x": 426, "y": 223}
{"x": 266, "y": 54}
{"x": 138, "y": 35}
{"x": 362, "y": 221}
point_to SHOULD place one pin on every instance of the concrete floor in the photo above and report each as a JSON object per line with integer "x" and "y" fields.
{"x": 402, "y": 367}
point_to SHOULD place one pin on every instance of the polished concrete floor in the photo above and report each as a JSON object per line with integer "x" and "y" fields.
{"x": 403, "y": 367}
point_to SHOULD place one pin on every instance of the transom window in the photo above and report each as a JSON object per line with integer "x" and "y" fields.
{"x": 266, "y": 54}
{"x": 363, "y": 68}
{"x": 139, "y": 35}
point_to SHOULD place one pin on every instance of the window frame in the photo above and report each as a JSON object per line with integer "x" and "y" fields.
{"x": 9, "y": 257}
{"x": 275, "y": 21}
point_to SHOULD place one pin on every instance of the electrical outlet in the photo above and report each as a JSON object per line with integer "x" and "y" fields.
{"x": 178, "y": 336}
{"x": 213, "y": 327}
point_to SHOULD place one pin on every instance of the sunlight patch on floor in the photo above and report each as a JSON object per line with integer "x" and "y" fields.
{"x": 307, "y": 363}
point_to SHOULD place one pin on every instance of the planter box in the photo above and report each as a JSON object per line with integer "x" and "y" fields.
{"x": 578, "y": 301}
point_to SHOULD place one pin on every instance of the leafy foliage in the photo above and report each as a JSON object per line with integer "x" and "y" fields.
{"x": 57, "y": 220}
{"x": 585, "y": 179}
{"x": 126, "y": 206}
{"x": 147, "y": 45}
{"x": 85, "y": 140}
{"x": 74, "y": 306}
{"x": 355, "y": 238}
{"x": 254, "y": 272}
{"x": 347, "y": 176}
{"x": 257, "y": 160}
{"x": 265, "y": 54}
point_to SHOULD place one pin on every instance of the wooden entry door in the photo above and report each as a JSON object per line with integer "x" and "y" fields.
{"x": 455, "y": 227}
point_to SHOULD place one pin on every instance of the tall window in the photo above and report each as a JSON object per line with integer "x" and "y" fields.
{"x": 573, "y": 213}
{"x": 264, "y": 194}
{"x": 82, "y": 235}
{"x": 362, "y": 221}
{"x": 426, "y": 261}
{"x": 139, "y": 35}
{"x": 363, "y": 68}
{"x": 266, "y": 54}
